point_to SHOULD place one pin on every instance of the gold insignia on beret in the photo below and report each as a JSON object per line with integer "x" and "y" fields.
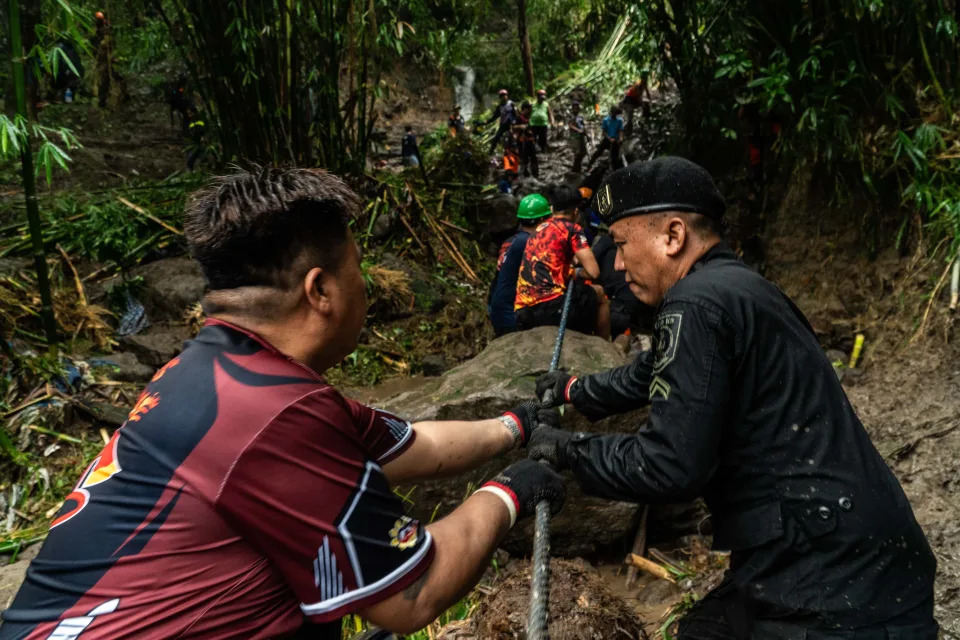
{"x": 604, "y": 201}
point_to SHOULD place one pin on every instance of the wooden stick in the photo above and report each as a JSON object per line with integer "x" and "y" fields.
{"x": 453, "y": 226}
{"x": 650, "y": 567}
{"x": 639, "y": 546}
{"x": 76, "y": 276}
{"x": 144, "y": 212}
{"x": 413, "y": 233}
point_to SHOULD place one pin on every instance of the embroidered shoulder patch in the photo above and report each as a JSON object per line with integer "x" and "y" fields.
{"x": 667, "y": 334}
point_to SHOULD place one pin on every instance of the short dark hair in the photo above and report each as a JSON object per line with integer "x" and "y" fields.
{"x": 408, "y": 128}
{"x": 706, "y": 225}
{"x": 256, "y": 226}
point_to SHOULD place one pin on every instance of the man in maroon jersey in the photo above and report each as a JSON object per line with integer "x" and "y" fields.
{"x": 245, "y": 497}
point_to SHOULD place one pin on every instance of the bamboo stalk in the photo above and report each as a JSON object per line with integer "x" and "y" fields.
{"x": 29, "y": 187}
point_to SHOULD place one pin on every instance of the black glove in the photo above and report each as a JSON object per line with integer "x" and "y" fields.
{"x": 550, "y": 445}
{"x": 525, "y": 483}
{"x": 528, "y": 417}
{"x": 558, "y": 384}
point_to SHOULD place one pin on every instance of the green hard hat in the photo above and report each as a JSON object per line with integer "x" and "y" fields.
{"x": 532, "y": 207}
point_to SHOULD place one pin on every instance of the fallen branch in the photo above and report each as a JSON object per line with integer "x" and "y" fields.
{"x": 650, "y": 567}
{"x": 145, "y": 213}
{"x": 76, "y": 276}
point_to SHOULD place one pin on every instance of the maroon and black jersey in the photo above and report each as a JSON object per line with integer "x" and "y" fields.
{"x": 242, "y": 498}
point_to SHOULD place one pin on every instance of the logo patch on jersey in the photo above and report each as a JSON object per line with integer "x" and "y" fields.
{"x": 604, "y": 201}
{"x": 667, "y": 334}
{"x": 404, "y": 533}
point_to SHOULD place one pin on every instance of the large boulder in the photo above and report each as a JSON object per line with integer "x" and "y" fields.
{"x": 500, "y": 377}
{"x": 171, "y": 285}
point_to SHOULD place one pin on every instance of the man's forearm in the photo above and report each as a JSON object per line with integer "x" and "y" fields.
{"x": 446, "y": 448}
{"x": 463, "y": 543}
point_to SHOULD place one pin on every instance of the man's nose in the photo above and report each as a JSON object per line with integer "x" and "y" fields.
{"x": 618, "y": 263}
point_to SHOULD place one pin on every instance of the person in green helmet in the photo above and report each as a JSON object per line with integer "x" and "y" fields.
{"x": 547, "y": 267}
{"x": 533, "y": 210}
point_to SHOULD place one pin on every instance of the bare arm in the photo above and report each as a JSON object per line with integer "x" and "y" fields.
{"x": 463, "y": 542}
{"x": 449, "y": 447}
{"x": 589, "y": 262}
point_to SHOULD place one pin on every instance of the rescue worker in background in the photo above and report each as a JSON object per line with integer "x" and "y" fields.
{"x": 455, "y": 122}
{"x": 195, "y": 127}
{"x": 522, "y": 131}
{"x": 746, "y": 411}
{"x": 612, "y": 127}
{"x": 547, "y": 267}
{"x": 578, "y": 136}
{"x": 409, "y": 150}
{"x": 106, "y": 73}
{"x": 533, "y": 210}
{"x": 505, "y": 113}
{"x": 633, "y": 98}
{"x": 541, "y": 119}
{"x": 245, "y": 497}
{"x": 627, "y": 314}
{"x": 587, "y": 218}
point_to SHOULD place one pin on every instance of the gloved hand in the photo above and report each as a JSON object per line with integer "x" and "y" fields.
{"x": 550, "y": 444}
{"x": 525, "y": 483}
{"x": 558, "y": 383}
{"x": 524, "y": 419}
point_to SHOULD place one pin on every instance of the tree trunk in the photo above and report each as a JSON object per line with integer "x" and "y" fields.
{"x": 525, "y": 45}
{"x": 29, "y": 191}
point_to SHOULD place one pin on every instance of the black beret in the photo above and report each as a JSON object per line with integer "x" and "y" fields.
{"x": 667, "y": 183}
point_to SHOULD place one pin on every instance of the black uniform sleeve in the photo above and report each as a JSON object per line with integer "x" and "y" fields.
{"x": 675, "y": 454}
{"x": 614, "y": 391}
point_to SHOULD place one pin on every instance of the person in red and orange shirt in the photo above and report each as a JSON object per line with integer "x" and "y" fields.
{"x": 548, "y": 264}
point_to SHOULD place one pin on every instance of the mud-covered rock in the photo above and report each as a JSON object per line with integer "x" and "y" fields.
{"x": 158, "y": 344}
{"x": 497, "y": 214}
{"x": 170, "y": 286}
{"x": 499, "y": 378}
{"x": 125, "y": 367}
{"x": 434, "y": 364}
{"x": 582, "y": 607}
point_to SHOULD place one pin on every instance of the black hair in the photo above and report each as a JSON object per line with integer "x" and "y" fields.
{"x": 267, "y": 226}
{"x": 408, "y": 128}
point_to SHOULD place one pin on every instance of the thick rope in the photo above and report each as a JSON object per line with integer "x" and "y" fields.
{"x": 538, "y": 623}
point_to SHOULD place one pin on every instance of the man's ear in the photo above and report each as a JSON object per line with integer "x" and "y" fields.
{"x": 676, "y": 235}
{"x": 316, "y": 290}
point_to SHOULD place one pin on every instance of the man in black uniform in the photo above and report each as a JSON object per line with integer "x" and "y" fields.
{"x": 747, "y": 412}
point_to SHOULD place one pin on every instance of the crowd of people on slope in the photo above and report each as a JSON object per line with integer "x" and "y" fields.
{"x": 524, "y": 132}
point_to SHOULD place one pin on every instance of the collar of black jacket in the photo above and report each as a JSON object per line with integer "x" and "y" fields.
{"x": 719, "y": 251}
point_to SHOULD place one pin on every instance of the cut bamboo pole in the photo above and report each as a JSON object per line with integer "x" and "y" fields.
{"x": 650, "y": 567}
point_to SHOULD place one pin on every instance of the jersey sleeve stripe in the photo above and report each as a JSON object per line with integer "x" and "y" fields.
{"x": 397, "y": 579}
{"x": 402, "y": 443}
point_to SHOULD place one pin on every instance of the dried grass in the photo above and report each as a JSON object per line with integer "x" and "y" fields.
{"x": 388, "y": 286}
